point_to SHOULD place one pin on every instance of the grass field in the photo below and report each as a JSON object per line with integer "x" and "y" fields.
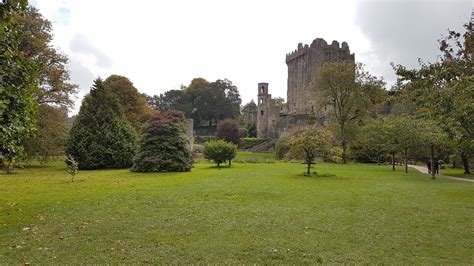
{"x": 250, "y": 213}
{"x": 456, "y": 173}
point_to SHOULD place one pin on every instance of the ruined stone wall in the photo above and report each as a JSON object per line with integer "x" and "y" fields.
{"x": 302, "y": 66}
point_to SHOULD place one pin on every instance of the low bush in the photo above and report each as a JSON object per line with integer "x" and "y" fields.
{"x": 220, "y": 151}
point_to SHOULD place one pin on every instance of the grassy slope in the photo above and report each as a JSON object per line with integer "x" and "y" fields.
{"x": 251, "y": 213}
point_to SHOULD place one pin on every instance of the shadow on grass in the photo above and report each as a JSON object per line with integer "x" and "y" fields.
{"x": 315, "y": 175}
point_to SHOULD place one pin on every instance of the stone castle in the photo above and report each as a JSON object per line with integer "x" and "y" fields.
{"x": 273, "y": 117}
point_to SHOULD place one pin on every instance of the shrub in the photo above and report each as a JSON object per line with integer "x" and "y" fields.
{"x": 219, "y": 151}
{"x": 282, "y": 147}
{"x": 247, "y": 143}
{"x": 164, "y": 145}
{"x": 228, "y": 130}
{"x": 101, "y": 136}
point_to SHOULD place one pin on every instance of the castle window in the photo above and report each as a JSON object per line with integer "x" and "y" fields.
{"x": 262, "y": 89}
{"x": 261, "y": 101}
{"x": 261, "y": 112}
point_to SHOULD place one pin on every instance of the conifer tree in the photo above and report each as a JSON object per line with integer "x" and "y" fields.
{"x": 164, "y": 145}
{"x": 101, "y": 136}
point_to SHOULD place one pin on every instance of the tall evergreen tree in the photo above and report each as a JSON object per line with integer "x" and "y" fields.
{"x": 101, "y": 136}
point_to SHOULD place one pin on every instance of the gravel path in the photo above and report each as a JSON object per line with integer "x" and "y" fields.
{"x": 424, "y": 170}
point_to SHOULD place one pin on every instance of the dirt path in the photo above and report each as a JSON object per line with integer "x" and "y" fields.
{"x": 424, "y": 170}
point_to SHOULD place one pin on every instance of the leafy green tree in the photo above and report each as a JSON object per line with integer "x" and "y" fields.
{"x": 101, "y": 136}
{"x": 348, "y": 93}
{"x": 164, "y": 145}
{"x": 228, "y": 130}
{"x": 172, "y": 100}
{"x": 249, "y": 118}
{"x": 36, "y": 43}
{"x": 309, "y": 142}
{"x": 18, "y": 83}
{"x": 196, "y": 84}
{"x": 134, "y": 105}
{"x": 220, "y": 151}
{"x": 202, "y": 101}
{"x": 51, "y": 133}
{"x": 443, "y": 91}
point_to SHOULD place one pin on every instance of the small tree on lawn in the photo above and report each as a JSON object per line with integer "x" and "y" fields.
{"x": 228, "y": 130}
{"x": 309, "y": 142}
{"x": 164, "y": 145}
{"x": 72, "y": 166}
{"x": 219, "y": 151}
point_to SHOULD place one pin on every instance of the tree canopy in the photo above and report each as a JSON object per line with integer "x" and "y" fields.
{"x": 202, "y": 101}
{"x": 134, "y": 104}
{"x": 444, "y": 90}
{"x": 345, "y": 93}
{"x": 18, "y": 84}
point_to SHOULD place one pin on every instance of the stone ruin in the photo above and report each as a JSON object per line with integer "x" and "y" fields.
{"x": 273, "y": 118}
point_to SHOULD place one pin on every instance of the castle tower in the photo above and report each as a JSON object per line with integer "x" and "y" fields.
{"x": 262, "y": 107}
{"x": 303, "y": 64}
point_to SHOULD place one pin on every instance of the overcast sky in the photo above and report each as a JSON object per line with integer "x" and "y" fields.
{"x": 160, "y": 45}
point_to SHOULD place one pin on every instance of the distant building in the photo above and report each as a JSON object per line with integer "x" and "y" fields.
{"x": 274, "y": 118}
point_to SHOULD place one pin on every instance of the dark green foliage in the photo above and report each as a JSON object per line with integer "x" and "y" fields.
{"x": 228, "y": 130}
{"x": 164, "y": 145}
{"x": 101, "y": 136}
{"x": 247, "y": 143}
{"x": 18, "y": 83}
{"x": 219, "y": 151}
{"x": 51, "y": 134}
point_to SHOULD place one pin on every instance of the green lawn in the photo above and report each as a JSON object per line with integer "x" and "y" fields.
{"x": 250, "y": 213}
{"x": 246, "y": 154}
{"x": 456, "y": 173}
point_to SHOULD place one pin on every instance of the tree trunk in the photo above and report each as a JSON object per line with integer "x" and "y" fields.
{"x": 393, "y": 161}
{"x": 433, "y": 172}
{"x": 406, "y": 160}
{"x": 344, "y": 151}
{"x": 230, "y": 162}
{"x": 308, "y": 171}
{"x": 219, "y": 166}
{"x": 465, "y": 163}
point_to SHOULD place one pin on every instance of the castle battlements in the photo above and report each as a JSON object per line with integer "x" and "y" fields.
{"x": 319, "y": 45}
